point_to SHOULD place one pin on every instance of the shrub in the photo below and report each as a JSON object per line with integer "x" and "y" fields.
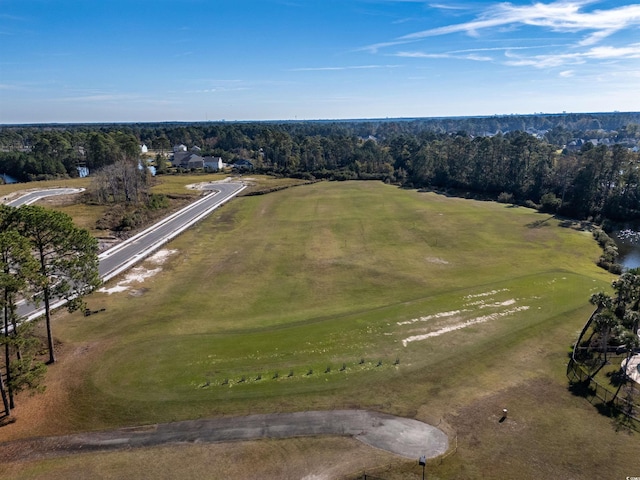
{"x": 157, "y": 201}
{"x": 549, "y": 203}
{"x": 505, "y": 197}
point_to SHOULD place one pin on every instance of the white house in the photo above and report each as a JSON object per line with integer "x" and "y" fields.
{"x": 179, "y": 148}
{"x": 213, "y": 163}
{"x": 143, "y": 148}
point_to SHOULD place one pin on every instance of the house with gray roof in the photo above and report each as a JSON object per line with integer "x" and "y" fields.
{"x": 213, "y": 163}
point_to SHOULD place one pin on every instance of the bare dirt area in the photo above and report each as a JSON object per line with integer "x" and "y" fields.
{"x": 210, "y": 184}
{"x": 42, "y": 414}
{"x": 57, "y": 201}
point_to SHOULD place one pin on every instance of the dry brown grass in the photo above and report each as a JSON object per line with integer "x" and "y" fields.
{"x": 298, "y": 458}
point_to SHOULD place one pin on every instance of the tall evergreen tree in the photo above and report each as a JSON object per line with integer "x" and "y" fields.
{"x": 67, "y": 259}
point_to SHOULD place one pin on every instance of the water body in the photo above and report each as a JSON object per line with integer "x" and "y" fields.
{"x": 628, "y": 242}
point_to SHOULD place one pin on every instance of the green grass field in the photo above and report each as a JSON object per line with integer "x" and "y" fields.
{"x": 360, "y": 294}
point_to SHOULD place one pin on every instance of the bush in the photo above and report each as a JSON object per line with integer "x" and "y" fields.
{"x": 157, "y": 201}
{"x": 549, "y": 203}
{"x": 505, "y": 197}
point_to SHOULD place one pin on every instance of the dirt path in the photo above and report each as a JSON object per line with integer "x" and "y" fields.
{"x": 401, "y": 436}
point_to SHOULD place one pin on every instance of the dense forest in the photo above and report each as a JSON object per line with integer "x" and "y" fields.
{"x": 579, "y": 165}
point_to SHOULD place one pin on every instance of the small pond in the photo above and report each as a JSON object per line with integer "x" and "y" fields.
{"x": 628, "y": 242}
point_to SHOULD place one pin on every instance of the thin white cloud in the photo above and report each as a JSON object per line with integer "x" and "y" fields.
{"x": 575, "y": 58}
{"x": 442, "y": 6}
{"x": 471, "y": 56}
{"x": 423, "y": 55}
{"x": 109, "y": 97}
{"x": 506, "y": 48}
{"x": 220, "y": 89}
{"x": 352, "y": 67}
{"x": 561, "y": 16}
{"x": 588, "y": 29}
{"x": 471, "y": 51}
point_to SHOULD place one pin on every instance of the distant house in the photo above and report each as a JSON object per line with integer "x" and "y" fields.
{"x": 179, "y": 148}
{"x": 195, "y": 161}
{"x": 243, "y": 164}
{"x": 213, "y": 163}
{"x": 187, "y": 160}
{"x": 143, "y": 148}
{"x": 196, "y": 148}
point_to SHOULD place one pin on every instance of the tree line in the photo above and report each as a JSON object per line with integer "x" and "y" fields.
{"x": 44, "y": 257}
{"x": 598, "y": 182}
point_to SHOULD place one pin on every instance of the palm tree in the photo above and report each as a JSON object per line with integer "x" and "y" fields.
{"x": 601, "y": 300}
{"x": 631, "y": 343}
{"x": 604, "y": 322}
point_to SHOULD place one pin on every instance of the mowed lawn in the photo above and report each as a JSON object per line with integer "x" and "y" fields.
{"x": 357, "y": 295}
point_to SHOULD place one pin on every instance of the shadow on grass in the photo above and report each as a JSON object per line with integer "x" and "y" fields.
{"x": 620, "y": 421}
{"x": 543, "y": 222}
{"x": 617, "y": 378}
{"x": 581, "y": 226}
{"x": 582, "y": 389}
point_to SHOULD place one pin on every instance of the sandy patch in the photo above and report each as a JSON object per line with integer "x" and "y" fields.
{"x": 436, "y": 260}
{"x": 139, "y": 274}
{"x": 485, "y": 294}
{"x": 459, "y": 326}
{"x": 161, "y": 256}
{"x": 431, "y": 317}
{"x": 506, "y": 303}
{"x": 203, "y": 185}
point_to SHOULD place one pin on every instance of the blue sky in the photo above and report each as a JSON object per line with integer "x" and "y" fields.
{"x": 196, "y": 60}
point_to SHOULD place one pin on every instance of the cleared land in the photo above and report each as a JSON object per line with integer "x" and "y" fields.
{"x": 357, "y": 295}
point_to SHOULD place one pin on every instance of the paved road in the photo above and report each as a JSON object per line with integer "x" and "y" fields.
{"x": 401, "y": 436}
{"x": 33, "y": 197}
{"x": 126, "y": 254}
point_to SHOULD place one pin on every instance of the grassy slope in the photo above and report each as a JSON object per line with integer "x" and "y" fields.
{"x": 321, "y": 276}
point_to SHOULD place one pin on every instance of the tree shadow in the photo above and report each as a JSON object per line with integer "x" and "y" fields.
{"x": 582, "y": 389}
{"x": 617, "y": 378}
{"x": 539, "y": 223}
{"x": 579, "y": 225}
{"x": 6, "y": 420}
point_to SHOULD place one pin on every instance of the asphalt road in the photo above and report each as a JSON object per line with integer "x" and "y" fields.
{"x": 32, "y": 197}
{"x": 126, "y": 254}
{"x": 401, "y": 436}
